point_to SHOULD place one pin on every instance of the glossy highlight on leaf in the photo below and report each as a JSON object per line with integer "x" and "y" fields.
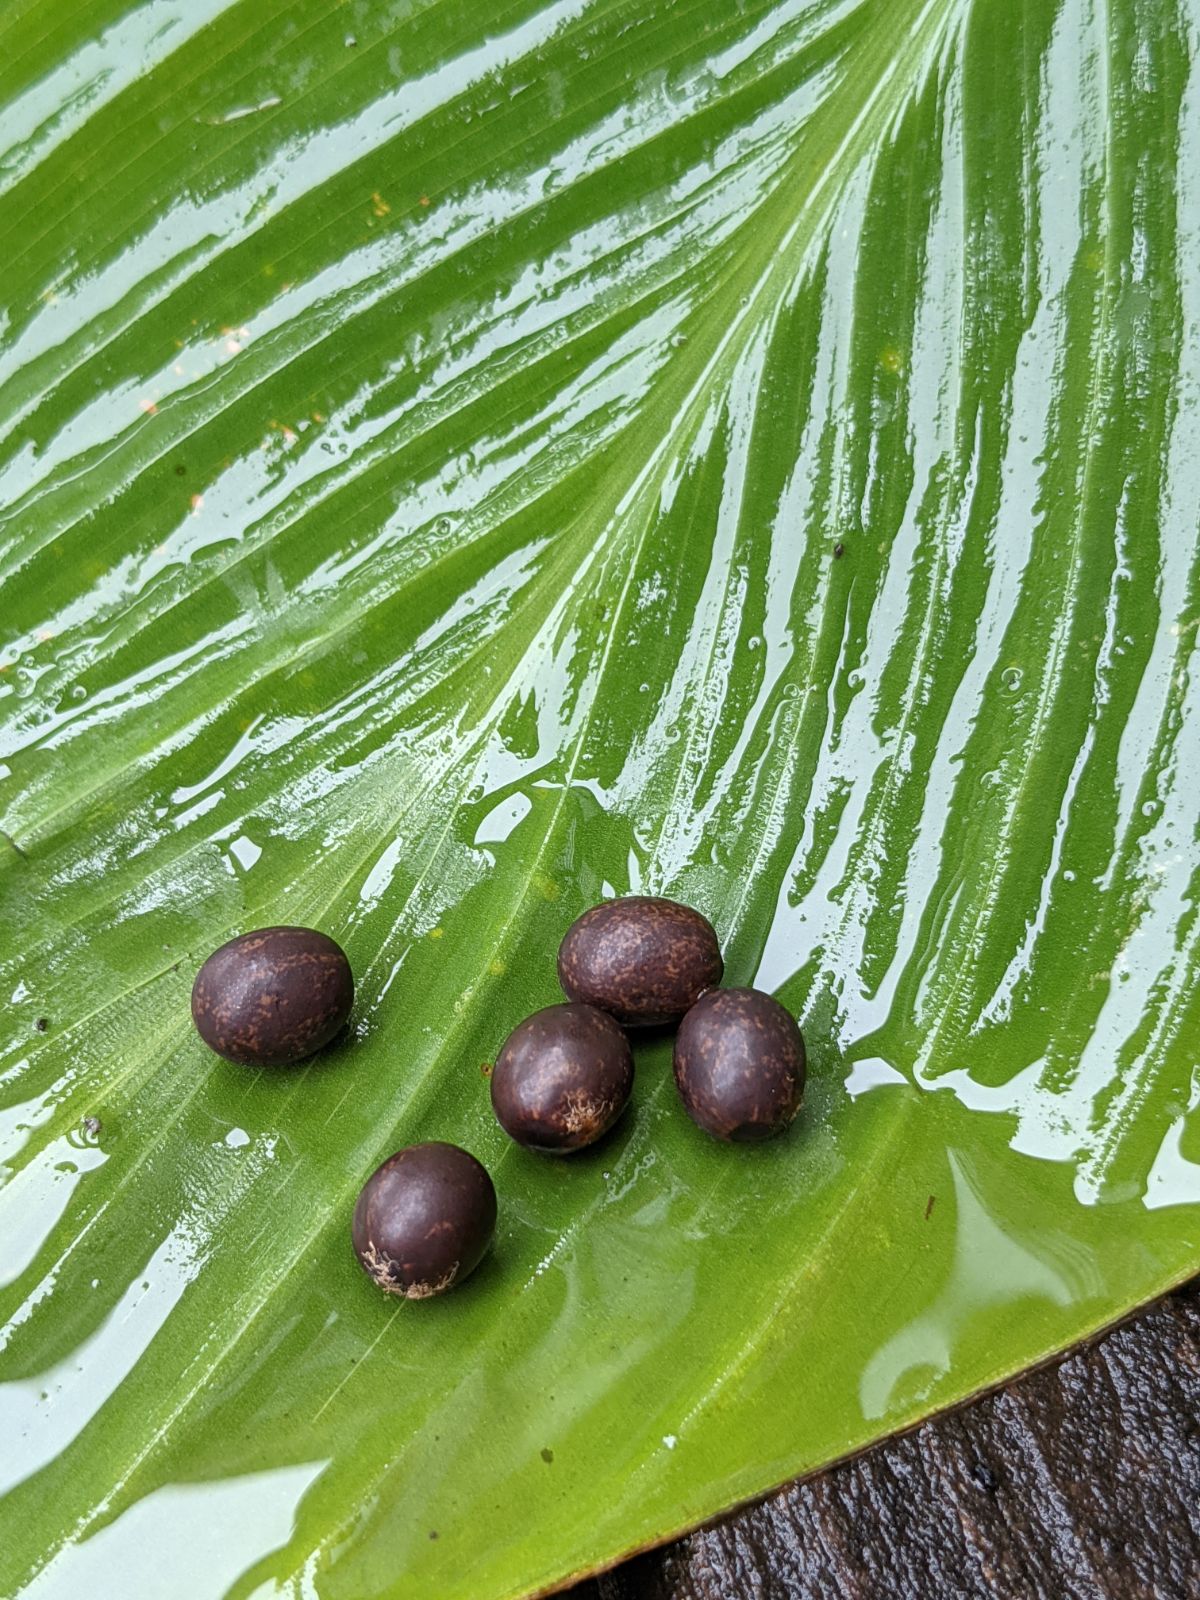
{"x": 459, "y": 462}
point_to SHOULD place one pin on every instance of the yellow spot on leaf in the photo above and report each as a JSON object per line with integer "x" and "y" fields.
{"x": 436, "y": 933}
{"x": 891, "y": 359}
{"x": 379, "y": 205}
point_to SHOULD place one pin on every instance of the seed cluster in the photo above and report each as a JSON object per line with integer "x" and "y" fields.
{"x": 425, "y": 1218}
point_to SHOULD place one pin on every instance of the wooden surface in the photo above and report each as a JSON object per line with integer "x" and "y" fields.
{"x": 1078, "y": 1482}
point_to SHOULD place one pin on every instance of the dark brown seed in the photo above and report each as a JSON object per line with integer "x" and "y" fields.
{"x": 739, "y": 1065}
{"x": 839, "y": 550}
{"x": 562, "y": 1079}
{"x": 424, "y": 1220}
{"x": 41, "y": 1024}
{"x": 272, "y": 997}
{"x": 643, "y": 960}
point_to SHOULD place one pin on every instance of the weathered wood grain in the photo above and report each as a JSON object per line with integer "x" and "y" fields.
{"x": 1078, "y": 1482}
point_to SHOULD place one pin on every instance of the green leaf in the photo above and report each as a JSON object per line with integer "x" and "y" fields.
{"x": 459, "y": 461}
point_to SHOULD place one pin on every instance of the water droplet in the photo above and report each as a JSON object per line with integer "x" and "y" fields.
{"x": 78, "y": 692}
{"x": 1068, "y": 875}
{"x": 754, "y": 642}
{"x": 1011, "y": 679}
{"x": 1149, "y": 808}
{"x": 643, "y": 688}
{"x": 442, "y": 525}
{"x": 678, "y": 340}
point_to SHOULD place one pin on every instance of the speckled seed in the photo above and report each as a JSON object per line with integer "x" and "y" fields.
{"x": 739, "y": 1065}
{"x": 562, "y": 1079}
{"x": 643, "y": 960}
{"x": 424, "y": 1220}
{"x": 272, "y": 997}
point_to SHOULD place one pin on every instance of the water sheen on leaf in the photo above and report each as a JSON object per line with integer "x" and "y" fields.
{"x": 459, "y": 461}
